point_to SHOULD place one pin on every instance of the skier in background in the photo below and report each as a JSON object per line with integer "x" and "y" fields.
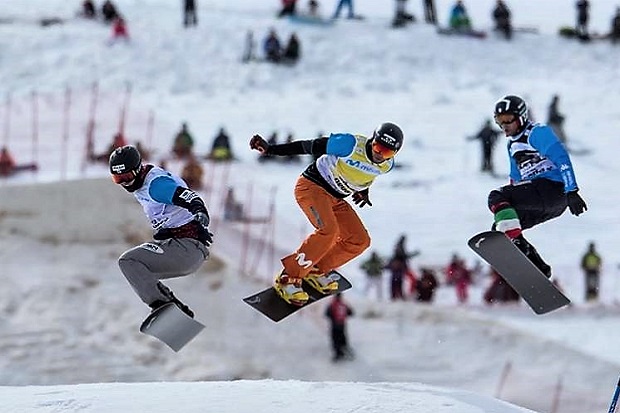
{"x": 348, "y": 166}
{"x": 180, "y": 223}
{"x": 542, "y": 181}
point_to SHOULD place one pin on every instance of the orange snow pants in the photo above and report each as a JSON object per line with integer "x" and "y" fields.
{"x": 339, "y": 234}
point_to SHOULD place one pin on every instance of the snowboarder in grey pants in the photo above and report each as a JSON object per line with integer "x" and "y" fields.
{"x": 180, "y": 223}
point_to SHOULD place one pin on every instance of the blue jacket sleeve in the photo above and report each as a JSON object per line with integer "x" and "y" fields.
{"x": 162, "y": 189}
{"x": 547, "y": 143}
{"x": 340, "y": 144}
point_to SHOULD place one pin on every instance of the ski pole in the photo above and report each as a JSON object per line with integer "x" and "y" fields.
{"x": 614, "y": 400}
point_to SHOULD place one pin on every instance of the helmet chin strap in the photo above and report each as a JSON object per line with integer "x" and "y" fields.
{"x": 139, "y": 180}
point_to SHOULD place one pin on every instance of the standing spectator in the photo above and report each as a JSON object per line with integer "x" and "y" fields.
{"x": 88, "y": 9}
{"x": 400, "y": 250}
{"x": 292, "y": 52}
{"x": 7, "y": 162}
{"x": 501, "y": 16}
{"x": 614, "y": 34}
{"x": 250, "y": 45}
{"x": 556, "y": 119}
{"x": 429, "y": 12}
{"x": 272, "y": 47}
{"x": 288, "y": 8}
{"x": 338, "y": 311}
{"x": 583, "y": 16}
{"x": 591, "y": 265}
{"x": 398, "y": 269}
{"x": 220, "y": 150}
{"x": 373, "y": 267}
{"x": 189, "y": 13}
{"x": 487, "y": 136}
{"x": 459, "y": 19}
{"x": 192, "y": 173}
{"x": 183, "y": 142}
{"x": 426, "y": 286}
{"x": 458, "y": 274}
{"x": 344, "y": 3}
{"x": 108, "y": 11}
{"x": 401, "y": 17}
{"x": 399, "y": 265}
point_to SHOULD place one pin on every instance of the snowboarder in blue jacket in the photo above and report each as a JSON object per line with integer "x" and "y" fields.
{"x": 542, "y": 180}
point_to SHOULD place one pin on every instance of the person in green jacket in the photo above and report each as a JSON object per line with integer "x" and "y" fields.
{"x": 591, "y": 265}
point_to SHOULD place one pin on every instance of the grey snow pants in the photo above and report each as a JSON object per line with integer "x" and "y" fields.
{"x": 144, "y": 265}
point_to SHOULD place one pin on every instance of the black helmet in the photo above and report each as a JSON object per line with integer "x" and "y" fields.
{"x": 389, "y": 135}
{"x": 125, "y": 164}
{"x": 513, "y": 105}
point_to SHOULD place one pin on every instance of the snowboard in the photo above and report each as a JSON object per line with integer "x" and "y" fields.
{"x": 311, "y": 20}
{"x": 518, "y": 271}
{"x": 171, "y": 326}
{"x": 269, "y": 302}
{"x": 478, "y": 34}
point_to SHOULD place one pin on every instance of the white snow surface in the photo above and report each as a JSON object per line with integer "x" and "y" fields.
{"x": 69, "y": 320}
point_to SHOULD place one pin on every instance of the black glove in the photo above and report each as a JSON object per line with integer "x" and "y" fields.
{"x": 203, "y": 219}
{"x": 576, "y": 204}
{"x": 361, "y": 198}
{"x": 208, "y": 238}
{"x": 259, "y": 144}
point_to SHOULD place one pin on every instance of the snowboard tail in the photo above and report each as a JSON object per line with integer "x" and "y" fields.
{"x": 171, "y": 326}
{"x": 518, "y": 271}
{"x": 269, "y": 302}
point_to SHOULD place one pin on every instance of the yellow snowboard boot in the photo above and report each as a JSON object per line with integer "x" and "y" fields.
{"x": 289, "y": 289}
{"x": 321, "y": 282}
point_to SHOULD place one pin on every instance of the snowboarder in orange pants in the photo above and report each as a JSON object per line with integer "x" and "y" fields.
{"x": 346, "y": 165}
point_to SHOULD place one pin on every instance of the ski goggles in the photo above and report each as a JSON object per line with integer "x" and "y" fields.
{"x": 505, "y": 121}
{"x": 125, "y": 178}
{"x": 385, "y": 152}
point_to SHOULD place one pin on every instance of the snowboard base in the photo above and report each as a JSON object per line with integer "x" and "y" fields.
{"x": 269, "y": 302}
{"x": 171, "y": 326}
{"x": 518, "y": 271}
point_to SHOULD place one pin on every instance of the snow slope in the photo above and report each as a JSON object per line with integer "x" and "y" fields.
{"x": 59, "y": 240}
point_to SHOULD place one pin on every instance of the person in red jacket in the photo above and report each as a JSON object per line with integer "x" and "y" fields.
{"x": 119, "y": 29}
{"x": 458, "y": 274}
{"x": 7, "y": 163}
{"x": 338, "y": 311}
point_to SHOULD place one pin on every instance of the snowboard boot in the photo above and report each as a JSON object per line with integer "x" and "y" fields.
{"x": 530, "y": 252}
{"x": 321, "y": 282}
{"x": 171, "y": 298}
{"x": 289, "y": 289}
